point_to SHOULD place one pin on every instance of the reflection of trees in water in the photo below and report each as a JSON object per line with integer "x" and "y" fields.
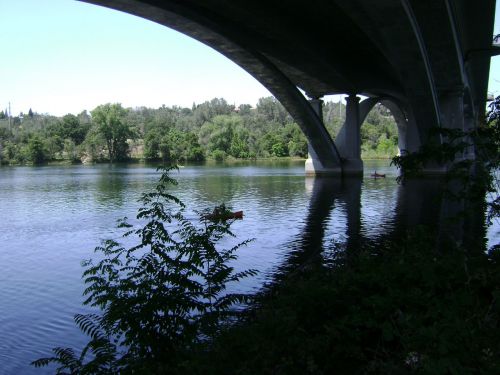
{"x": 110, "y": 186}
{"x": 267, "y": 191}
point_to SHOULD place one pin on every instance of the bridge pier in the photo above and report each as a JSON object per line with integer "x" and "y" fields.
{"x": 314, "y": 166}
{"x": 457, "y": 115}
{"x": 408, "y": 136}
{"x": 453, "y": 117}
{"x": 352, "y": 164}
{"x": 469, "y": 124}
{"x": 348, "y": 140}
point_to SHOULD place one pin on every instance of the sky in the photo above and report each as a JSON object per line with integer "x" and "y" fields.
{"x": 65, "y": 56}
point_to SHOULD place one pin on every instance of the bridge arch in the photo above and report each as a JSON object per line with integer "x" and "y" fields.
{"x": 408, "y": 134}
{"x": 193, "y": 24}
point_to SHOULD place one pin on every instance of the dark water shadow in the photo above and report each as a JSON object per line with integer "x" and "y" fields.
{"x": 414, "y": 298}
{"x": 421, "y": 203}
{"x": 327, "y": 195}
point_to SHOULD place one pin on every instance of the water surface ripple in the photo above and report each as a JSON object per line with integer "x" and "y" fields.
{"x": 51, "y": 218}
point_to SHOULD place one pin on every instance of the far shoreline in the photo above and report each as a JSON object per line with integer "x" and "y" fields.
{"x": 143, "y": 161}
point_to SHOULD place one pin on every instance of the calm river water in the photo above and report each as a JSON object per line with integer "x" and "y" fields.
{"x": 51, "y": 218}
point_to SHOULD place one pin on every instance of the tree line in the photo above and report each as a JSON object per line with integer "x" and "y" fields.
{"x": 212, "y": 130}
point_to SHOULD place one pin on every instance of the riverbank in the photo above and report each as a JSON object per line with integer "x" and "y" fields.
{"x": 407, "y": 307}
{"x": 143, "y": 161}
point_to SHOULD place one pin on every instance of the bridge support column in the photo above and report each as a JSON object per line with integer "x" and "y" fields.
{"x": 314, "y": 165}
{"x": 452, "y": 107}
{"x": 469, "y": 124}
{"x": 352, "y": 163}
{"x": 453, "y": 118}
{"x": 454, "y": 114}
{"x": 413, "y": 140}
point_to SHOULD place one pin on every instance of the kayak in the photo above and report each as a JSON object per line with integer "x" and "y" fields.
{"x": 225, "y": 215}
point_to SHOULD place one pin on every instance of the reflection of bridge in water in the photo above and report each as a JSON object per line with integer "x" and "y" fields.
{"x": 420, "y": 202}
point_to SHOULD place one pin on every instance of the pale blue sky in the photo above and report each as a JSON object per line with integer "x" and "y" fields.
{"x": 64, "y": 56}
{"x": 61, "y": 56}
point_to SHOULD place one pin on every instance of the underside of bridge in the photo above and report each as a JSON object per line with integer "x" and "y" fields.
{"x": 426, "y": 59}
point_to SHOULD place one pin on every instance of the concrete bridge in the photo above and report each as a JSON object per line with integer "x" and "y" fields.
{"x": 426, "y": 60}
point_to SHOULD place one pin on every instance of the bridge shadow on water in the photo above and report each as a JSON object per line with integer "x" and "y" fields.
{"x": 421, "y": 203}
{"x": 418, "y": 296}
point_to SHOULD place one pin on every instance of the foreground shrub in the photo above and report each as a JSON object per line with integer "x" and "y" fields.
{"x": 162, "y": 299}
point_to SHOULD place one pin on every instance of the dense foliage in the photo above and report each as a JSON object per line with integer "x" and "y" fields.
{"x": 395, "y": 308}
{"x": 160, "y": 299}
{"x": 211, "y": 130}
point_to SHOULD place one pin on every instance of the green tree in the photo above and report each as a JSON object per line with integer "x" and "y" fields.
{"x": 53, "y": 146}
{"x": 36, "y": 151}
{"x": 218, "y": 155}
{"x": 70, "y": 150}
{"x": 218, "y": 134}
{"x": 208, "y": 110}
{"x": 279, "y": 149}
{"x": 152, "y": 141}
{"x": 176, "y": 144}
{"x": 93, "y": 145}
{"x": 386, "y": 146}
{"x": 272, "y": 110}
{"x": 269, "y": 140}
{"x": 70, "y": 127}
{"x": 370, "y": 135}
{"x": 110, "y": 122}
{"x": 165, "y": 149}
{"x": 245, "y": 110}
{"x": 295, "y": 140}
{"x": 193, "y": 150}
{"x": 12, "y": 153}
{"x": 297, "y": 148}
{"x": 5, "y": 134}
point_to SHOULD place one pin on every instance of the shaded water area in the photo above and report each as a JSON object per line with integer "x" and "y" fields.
{"x": 51, "y": 218}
